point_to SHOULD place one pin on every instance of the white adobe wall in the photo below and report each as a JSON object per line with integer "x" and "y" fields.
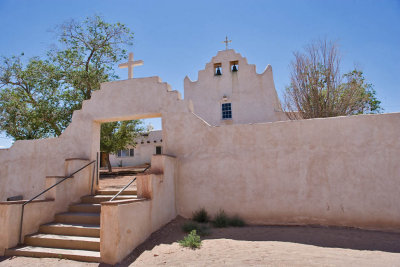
{"x": 341, "y": 171}
{"x": 25, "y": 165}
{"x": 142, "y": 152}
{"x": 253, "y": 96}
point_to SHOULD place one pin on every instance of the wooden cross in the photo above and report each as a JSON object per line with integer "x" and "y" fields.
{"x": 227, "y": 42}
{"x": 130, "y": 64}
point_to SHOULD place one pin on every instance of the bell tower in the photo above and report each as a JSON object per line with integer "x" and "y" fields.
{"x": 229, "y": 91}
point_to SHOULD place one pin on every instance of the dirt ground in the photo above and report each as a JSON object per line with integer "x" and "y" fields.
{"x": 255, "y": 246}
{"x": 117, "y": 182}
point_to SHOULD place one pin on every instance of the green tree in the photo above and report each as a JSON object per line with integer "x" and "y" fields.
{"x": 117, "y": 136}
{"x": 317, "y": 88}
{"x": 34, "y": 103}
{"x": 37, "y": 99}
{"x": 87, "y": 52}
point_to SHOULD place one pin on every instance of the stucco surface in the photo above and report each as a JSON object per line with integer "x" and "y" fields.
{"x": 334, "y": 171}
{"x": 253, "y": 96}
{"x": 71, "y": 190}
{"x": 125, "y": 226}
{"x": 35, "y": 214}
{"x": 26, "y": 164}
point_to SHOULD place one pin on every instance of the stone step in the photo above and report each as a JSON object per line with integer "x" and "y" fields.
{"x": 42, "y": 252}
{"x": 78, "y": 218}
{"x": 63, "y": 241}
{"x": 102, "y": 198}
{"x": 85, "y": 207}
{"x": 114, "y": 192}
{"x": 90, "y": 230}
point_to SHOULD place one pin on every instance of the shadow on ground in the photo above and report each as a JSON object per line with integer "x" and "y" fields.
{"x": 327, "y": 237}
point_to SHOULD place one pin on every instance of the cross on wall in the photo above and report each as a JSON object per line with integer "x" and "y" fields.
{"x": 130, "y": 65}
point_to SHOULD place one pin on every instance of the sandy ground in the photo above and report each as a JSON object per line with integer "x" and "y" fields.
{"x": 256, "y": 246}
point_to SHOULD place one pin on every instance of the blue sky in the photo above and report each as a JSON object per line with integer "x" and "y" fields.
{"x": 177, "y": 38}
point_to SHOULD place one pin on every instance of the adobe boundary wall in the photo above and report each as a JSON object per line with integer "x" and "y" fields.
{"x": 342, "y": 171}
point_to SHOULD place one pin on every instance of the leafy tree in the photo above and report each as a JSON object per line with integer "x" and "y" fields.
{"x": 88, "y": 50}
{"x": 34, "y": 103}
{"x": 37, "y": 99}
{"x": 318, "y": 89}
{"x": 117, "y": 136}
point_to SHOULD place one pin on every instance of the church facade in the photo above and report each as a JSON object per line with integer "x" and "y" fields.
{"x": 230, "y": 91}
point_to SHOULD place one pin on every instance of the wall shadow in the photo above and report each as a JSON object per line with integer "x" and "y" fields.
{"x": 326, "y": 237}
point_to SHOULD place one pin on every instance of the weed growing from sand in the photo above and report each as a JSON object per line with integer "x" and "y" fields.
{"x": 221, "y": 219}
{"x": 192, "y": 240}
{"x": 200, "y": 216}
{"x": 201, "y": 229}
{"x": 236, "y": 221}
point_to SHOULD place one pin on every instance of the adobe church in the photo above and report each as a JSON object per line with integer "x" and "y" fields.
{"x": 226, "y": 146}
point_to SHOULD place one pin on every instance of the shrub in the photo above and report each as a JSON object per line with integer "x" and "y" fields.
{"x": 221, "y": 219}
{"x": 200, "y": 216}
{"x": 192, "y": 240}
{"x": 236, "y": 221}
{"x": 202, "y": 230}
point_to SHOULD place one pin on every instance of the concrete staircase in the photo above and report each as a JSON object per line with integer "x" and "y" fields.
{"x": 74, "y": 234}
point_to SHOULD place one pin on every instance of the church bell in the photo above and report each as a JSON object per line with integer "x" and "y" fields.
{"x": 234, "y": 68}
{"x": 218, "y": 71}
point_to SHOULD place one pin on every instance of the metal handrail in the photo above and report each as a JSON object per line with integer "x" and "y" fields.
{"x": 126, "y": 186}
{"x": 44, "y": 191}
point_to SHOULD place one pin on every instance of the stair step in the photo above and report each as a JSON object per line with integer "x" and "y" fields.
{"x": 85, "y": 207}
{"x": 63, "y": 241}
{"x": 114, "y": 192}
{"x": 102, "y": 198}
{"x": 78, "y": 218}
{"x": 41, "y": 252}
{"x": 91, "y": 230}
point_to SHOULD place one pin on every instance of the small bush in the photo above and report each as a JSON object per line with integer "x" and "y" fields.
{"x": 236, "y": 221}
{"x": 192, "y": 240}
{"x": 200, "y": 216}
{"x": 221, "y": 219}
{"x": 202, "y": 230}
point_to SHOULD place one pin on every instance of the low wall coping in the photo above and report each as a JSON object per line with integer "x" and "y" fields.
{"x": 56, "y": 176}
{"x": 122, "y": 202}
{"x": 70, "y": 159}
{"x": 165, "y": 155}
{"x": 18, "y": 202}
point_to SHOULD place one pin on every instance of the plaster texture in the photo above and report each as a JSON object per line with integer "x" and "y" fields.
{"x": 35, "y": 214}
{"x": 71, "y": 190}
{"x": 26, "y": 164}
{"x": 253, "y": 96}
{"x": 340, "y": 171}
{"x": 124, "y": 225}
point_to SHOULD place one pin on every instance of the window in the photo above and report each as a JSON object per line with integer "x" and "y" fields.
{"x": 126, "y": 153}
{"x": 226, "y": 111}
{"x": 158, "y": 150}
